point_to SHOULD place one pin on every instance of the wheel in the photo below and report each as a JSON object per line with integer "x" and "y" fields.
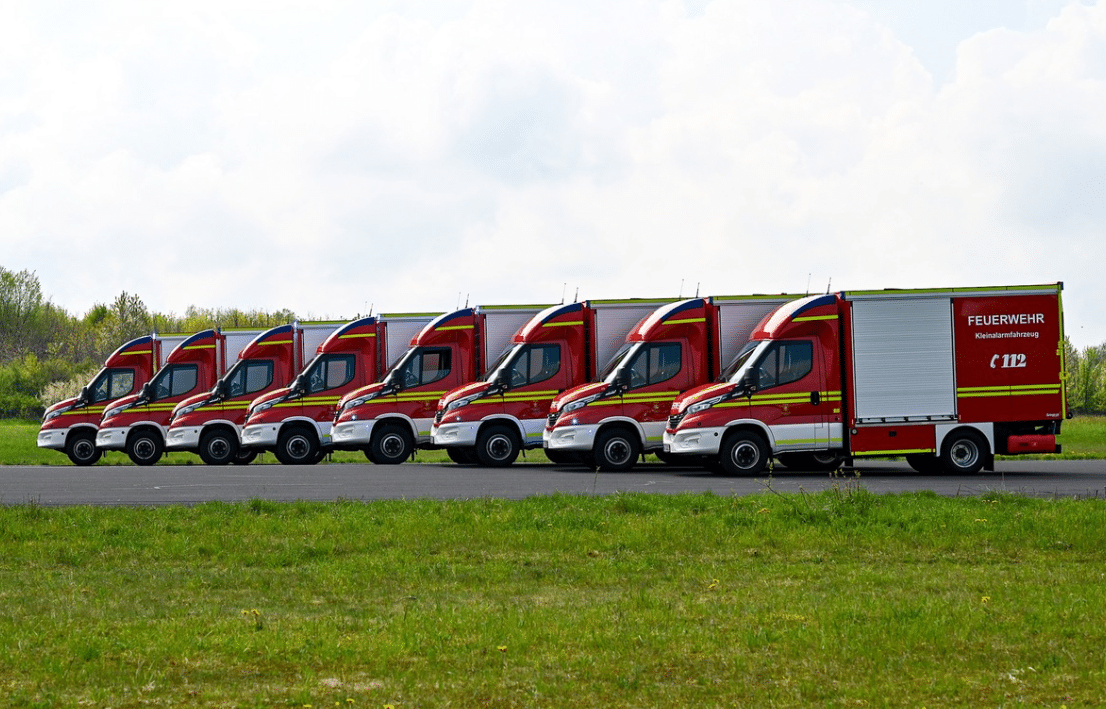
{"x": 925, "y": 463}
{"x": 822, "y": 460}
{"x": 462, "y": 456}
{"x": 616, "y": 450}
{"x": 244, "y": 456}
{"x": 297, "y": 446}
{"x": 743, "y": 453}
{"x": 558, "y": 457}
{"x": 497, "y": 447}
{"x": 963, "y": 452}
{"x": 145, "y": 447}
{"x": 391, "y": 444}
{"x": 218, "y": 447}
{"x": 81, "y": 448}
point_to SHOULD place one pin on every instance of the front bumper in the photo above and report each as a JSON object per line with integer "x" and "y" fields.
{"x": 352, "y": 435}
{"x": 570, "y": 438}
{"x": 455, "y": 435}
{"x": 112, "y": 439}
{"x": 261, "y": 435}
{"x": 694, "y": 441}
{"x": 53, "y": 438}
{"x": 184, "y": 438}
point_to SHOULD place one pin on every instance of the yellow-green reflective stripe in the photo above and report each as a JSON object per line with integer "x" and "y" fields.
{"x": 563, "y": 324}
{"x": 684, "y": 321}
{"x": 275, "y": 342}
{"x": 134, "y": 352}
{"x": 810, "y": 318}
{"x": 201, "y": 347}
{"x": 456, "y": 327}
{"x": 360, "y": 334}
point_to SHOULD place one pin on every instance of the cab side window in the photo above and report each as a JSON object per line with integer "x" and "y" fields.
{"x": 786, "y": 362}
{"x": 655, "y": 364}
{"x": 537, "y": 363}
{"x": 332, "y": 372}
{"x": 177, "y": 380}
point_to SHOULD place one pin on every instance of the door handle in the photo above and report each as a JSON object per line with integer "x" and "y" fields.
{"x": 815, "y": 398}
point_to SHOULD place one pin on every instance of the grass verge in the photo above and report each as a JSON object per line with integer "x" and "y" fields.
{"x": 840, "y": 599}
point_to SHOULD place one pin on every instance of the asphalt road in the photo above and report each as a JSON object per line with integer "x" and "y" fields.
{"x": 193, "y": 484}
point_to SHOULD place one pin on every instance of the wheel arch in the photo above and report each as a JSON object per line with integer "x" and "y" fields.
{"x": 751, "y": 426}
{"x": 623, "y": 422}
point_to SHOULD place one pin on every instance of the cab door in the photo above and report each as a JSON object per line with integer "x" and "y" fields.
{"x": 791, "y": 397}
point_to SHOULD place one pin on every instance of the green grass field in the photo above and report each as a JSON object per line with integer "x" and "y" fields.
{"x": 840, "y": 599}
{"x": 1083, "y": 437}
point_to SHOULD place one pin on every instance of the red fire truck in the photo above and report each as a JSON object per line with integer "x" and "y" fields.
{"x": 609, "y": 423}
{"x": 210, "y": 423}
{"x": 947, "y": 378}
{"x": 388, "y": 419}
{"x": 137, "y": 423}
{"x": 71, "y": 425}
{"x": 489, "y": 421}
{"x": 295, "y": 421}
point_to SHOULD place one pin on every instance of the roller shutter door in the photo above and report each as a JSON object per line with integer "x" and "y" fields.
{"x": 903, "y": 359}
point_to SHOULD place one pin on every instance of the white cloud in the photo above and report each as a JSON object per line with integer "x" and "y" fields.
{"x": 401, "y": 154}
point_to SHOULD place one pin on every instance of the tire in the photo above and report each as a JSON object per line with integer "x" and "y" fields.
{"x": 497, "y": 447}
{"x": 297, "y": 446}
{"x": 963, "y": 452}
{"x": 391, "y": 445}
{"x": 81, "y": 448}
{"x": 616, "y": 450}
{"x": 743, "y": 453}
{"x": 244, "y": 456}
{"x": 218, "y": 447}
{"x": 925, "y": 463}
{"x": 144, "y": 447}
{"x": 822, "y": 460}
{"x": 462, "y": 456}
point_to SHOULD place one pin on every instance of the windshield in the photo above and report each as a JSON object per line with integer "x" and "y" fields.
{"x": 393, "y": 378}
{"x": 500, "y": 363}
{"x": 229, "y": 375}
{"x": 735, "y": 369}
{"x": 623, "y": 354}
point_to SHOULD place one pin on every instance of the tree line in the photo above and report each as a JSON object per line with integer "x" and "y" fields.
{"x": 46, "y": 353}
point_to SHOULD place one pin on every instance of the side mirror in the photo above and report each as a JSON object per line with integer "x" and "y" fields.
{"x": 622, "y": 380}
{"x": 146, "y": 393}
{"x": 749, "y": 382}
{"x": 219, "y": 391}
{"x": 503, "y": 380}
{"x": 299, "y": 384}
{"x": 82, "y": 398}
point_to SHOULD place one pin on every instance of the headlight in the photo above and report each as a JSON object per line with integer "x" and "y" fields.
{"x": 704, "y": 405}
{"x": 116, "y": 411}
{"x": 184, "y": 412}
{"x": 54, "y": 414}
{"x": 259, "y": 408}
{"x": 355, "y": 403}
{"x": 579, "y": 403}
{"x": 461, "y": 402}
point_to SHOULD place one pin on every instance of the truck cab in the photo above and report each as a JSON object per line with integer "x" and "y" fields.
{"x": 490, "y": 420}
{"x": 781, "y": 395}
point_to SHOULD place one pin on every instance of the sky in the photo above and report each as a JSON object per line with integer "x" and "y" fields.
{"x": 336, "y": 158}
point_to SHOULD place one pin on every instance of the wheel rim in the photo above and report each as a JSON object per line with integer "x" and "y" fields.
{"x": 499, "y": 447}
{"x": 84, "y": 449}
{"x": 745, "y": 455}
{"x": 964, "y": 453}
{"x": 298, "y": 447}
{"x": 144, "y": 448}
{"x": 617, "y": 451}
{"x": 393, "y": 445}
{"x": 219, "y": 448}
